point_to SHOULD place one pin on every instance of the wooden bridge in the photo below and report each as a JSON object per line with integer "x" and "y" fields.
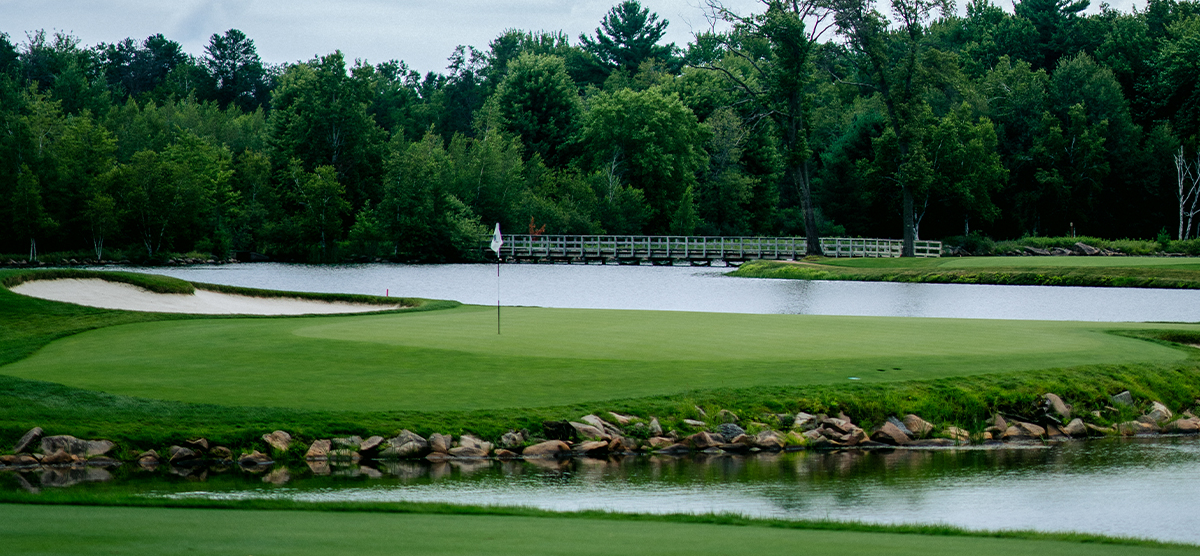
{"x": 695, "y": 250}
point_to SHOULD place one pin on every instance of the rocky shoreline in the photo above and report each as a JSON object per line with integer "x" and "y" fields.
{"x": 618, "y": 434}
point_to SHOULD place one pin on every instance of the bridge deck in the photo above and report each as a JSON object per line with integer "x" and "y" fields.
{"x": 693, "y": 249}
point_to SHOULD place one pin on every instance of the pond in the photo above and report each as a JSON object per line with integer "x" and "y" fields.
{"x": 703, "y": 289}
{"x": 1130, "y": 487}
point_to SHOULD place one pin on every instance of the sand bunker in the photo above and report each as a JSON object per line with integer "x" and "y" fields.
{"x": 94, "y": 292}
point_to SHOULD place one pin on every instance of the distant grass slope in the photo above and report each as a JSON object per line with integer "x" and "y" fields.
{"x": 1138, "y": 272}
{"x": 38, "y": 530}
{"x": 453, "y": 360}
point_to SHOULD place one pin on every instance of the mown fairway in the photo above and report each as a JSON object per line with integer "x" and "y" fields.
{"x": 454, "y": 360}
{"x": 37, "y": 530}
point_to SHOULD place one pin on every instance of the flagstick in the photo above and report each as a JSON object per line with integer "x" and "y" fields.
{"x": 497, "y": 295}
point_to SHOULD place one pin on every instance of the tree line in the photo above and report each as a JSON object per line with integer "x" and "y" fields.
{"x": 808, "y": 115}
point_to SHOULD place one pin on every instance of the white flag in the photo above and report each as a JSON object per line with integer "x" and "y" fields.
{"x": 497, "y": 241}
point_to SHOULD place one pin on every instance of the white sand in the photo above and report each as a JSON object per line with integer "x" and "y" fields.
{"x": 94, "y": 292}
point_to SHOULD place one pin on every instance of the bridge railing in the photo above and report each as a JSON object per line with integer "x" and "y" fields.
{"x": 698, "y": 247}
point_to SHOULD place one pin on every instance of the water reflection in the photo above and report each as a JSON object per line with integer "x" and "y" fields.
{"x": 1138, "y": 487}
{"x": 704, "y": 289}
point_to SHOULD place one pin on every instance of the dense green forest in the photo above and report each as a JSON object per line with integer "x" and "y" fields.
{"x": 821, "y": 115}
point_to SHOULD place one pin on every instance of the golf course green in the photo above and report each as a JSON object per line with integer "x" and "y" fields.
{"x": 453, "y": 360}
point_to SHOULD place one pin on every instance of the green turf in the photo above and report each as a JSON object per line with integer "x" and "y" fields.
{"x": 1018, "y": 262}
{"x": 453, "y": 359}
{"x": 86, "y": 530}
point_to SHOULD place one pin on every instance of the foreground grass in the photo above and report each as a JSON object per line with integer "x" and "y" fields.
{"x": 450, "y": 530}
{"x": 1138, "y": 272}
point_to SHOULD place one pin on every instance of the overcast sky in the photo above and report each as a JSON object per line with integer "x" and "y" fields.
{"x": 419, "y": 32}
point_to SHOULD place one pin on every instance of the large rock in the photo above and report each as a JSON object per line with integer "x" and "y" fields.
{"x": 730, "y": 430}
{"x": 660, "y": 442}
{"x": 842, "y": 426}
{"x": 472, "y": 441}
{"x": 221, "y": 452}
{"x": 726, "y": 416}
{"x": 61, "y": 457}
{"x": 512, "y": 439}
{"x": 1132, "y": 428}
{"x": 279, "y": 440}
{"x": 770, "y": 440}
{"x": 319, "y": 450}
{"x": 75, "y": 446}
{"x": 558, "y": 430}
{"x": 889, "y": 433}
{"x": 589, "y": 431}
{"x": 900, "y": 425}
{"x": 609, "y": 429}
{"x": 700, "y": 441}
{"x": 28, "y": 439}
{"x": 549, "y": 448}
{"x": 472, "y": 451}
{"x": 655, "y": 427}
{"x": 350, "y": 442}
{"x": 371, "y": 444}
{"x": 406, "y": 445}
{"x": 149, "y": 457}
{"x": 1061, "y": 408}
{"x": 592, "y": 447}
{"x": 440, "y": 443}
{"x": 1075, "y": 428}
{"x": 1085, "y": 249}
{"x": 621, "y": 419}
{"x": 254, "y": 458}
{"x": 1159, "y": 413}
{"x": 1183, "y": 426}
{"x": 1037, "y": 251}
{"x": 179, "y": 453}
{"x": 694, "y": 423}
{"x": 198, "y": 444}
{"x": 1123, "y": 398}
{"x": 1030, "y": 429}
{"x": 917, "y": 425}
{"x": 958, "y": 435}
{"x": 622, "y": 445}
{"x": 804, "y": 421}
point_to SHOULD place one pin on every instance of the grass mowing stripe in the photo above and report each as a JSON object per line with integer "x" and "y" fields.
{"x": 551, "y": 357}
{"x": 107, "y": 530}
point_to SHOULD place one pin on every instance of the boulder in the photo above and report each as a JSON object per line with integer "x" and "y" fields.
{"x": 677, "y": 448}
{"x": 351, "y": 442}
{"x": 622, "y": 445}
{"x": 608, "y": 428}
{"x": 1054, "y": 432}
{"x": 371, "y": 444}
{"x": 589, "y": 431}
{"x": 1085, "y": 249}
{"x": 1075, "y": 428}
{"x": 889, "y": 433}
{"x": 1100, "y": 430}
{"x": 221, "y": 452}
{"x": 319, "y": 450}
{"x": 28, "y": 439}
{"x": 198, "y": 445}
{"x": 726, "y": 416}
{"x": 694, "y": 423}
{"x": 440, "y": 443}
{"x": 75, "y": 446}
{"x": 254, "y": 458}
{"x": 842, "y": 426}
{"x": 1183, "y": 426}
{"x": 472, "y": 451}
{"x": 1131, "y": 428}
{"x": 655, "y": 427}
{"x": 61, "y": 457}
{"x": 700, "y": 410}
{"x": 621, "y": 419}
{"x": 279, "y": 440}
{"x": 8, "y": 460}
{"x": 917, "y": 425}
{"x": 700, "y": 441}
{"x": 1159, "y": 413}
{"x": 1123, "y": 398}
{"x": 407, "y": 444}
{"x": 148, "y": 457}
{"x": 1030, "y": 429}
{"x": 1037, "y": 251}
{"x": 506, "y": 454}
{"x": 659, "y": 442}
{"x": 592, "y": 447}
{"x": 900, "y": 425}
{"x": 1061, "y": 252}
{"x": 804, "y": 421}
{"x": 856, "y": 437}
{"x": 1061, "y": 408}
{"x": 957, "y": 434}
{"x": 730, "y": 430}
{"x": 999, "y": 422}
{"x": 512, "y": 439}
{"x": 770, "y": 440}
{"x": 471, "y": 441}
{"x": 25, "y": 460}
{"x": 549, "y": 448}
{"x": 179, "y": 453}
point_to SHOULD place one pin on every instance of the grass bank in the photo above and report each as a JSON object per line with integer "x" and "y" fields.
{"x": 1126, "y": 272}
{"x": 289, "y": 528}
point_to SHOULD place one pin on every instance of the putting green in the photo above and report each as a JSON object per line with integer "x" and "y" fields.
{"x": 1172, "y": 263}
{"x": 38, "y": 530}
{"x": 454, "y": 360}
